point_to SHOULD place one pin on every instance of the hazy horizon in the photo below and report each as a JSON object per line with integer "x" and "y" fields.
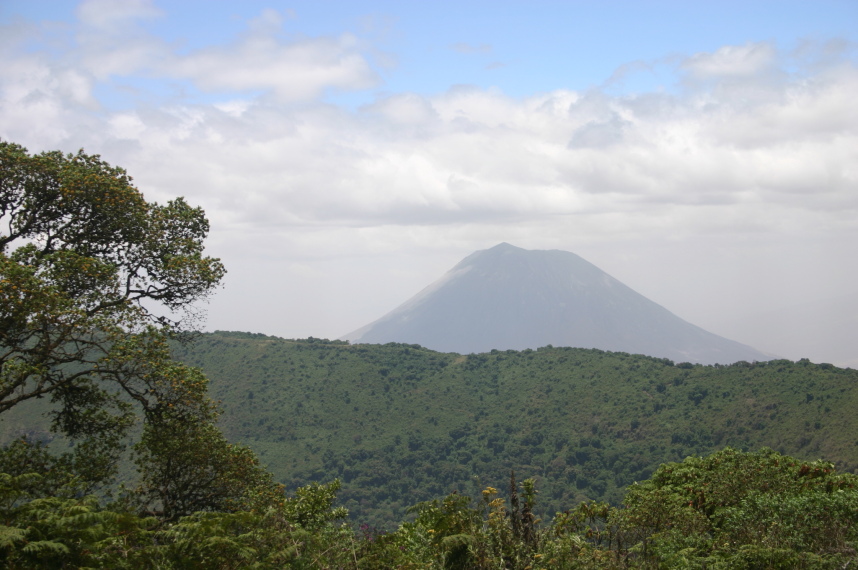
{"x": 348, "y": 154}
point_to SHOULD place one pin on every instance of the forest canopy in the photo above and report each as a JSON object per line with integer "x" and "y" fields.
{"x": 727, "y": 510}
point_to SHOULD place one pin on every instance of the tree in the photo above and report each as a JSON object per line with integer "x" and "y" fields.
{"x": 743, "y": 510}
{"x": 94, "y": 280}
{"x": 186, "y": 465}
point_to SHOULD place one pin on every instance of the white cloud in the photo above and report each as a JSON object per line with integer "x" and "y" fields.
{"x": 110, "y": 42}
{"x": 301, "y": 193}
{"x": 127, "y": 126}
{"x": 404, "y": 109}
{"x": 599, "y": 134}
{"x": 268, "y": 22}
{"x": 746, "y": 60}
{"x": 474, "y": 156}
{"x": 110, "y": 16}
{"x": 297, "y": 71}
{"x": 464, "y": 154}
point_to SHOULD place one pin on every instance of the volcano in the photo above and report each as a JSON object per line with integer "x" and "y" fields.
{"x": 511, "y": 298}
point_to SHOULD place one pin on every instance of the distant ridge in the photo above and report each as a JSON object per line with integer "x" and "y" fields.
{"x": 506, "y": 297}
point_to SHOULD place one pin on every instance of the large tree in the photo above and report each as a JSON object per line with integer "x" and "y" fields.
{"x": 94, "y": 280}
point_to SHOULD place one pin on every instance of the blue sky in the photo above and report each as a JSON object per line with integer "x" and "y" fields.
{"x": 517, "y": 47}
{"x": 348, "y": 153}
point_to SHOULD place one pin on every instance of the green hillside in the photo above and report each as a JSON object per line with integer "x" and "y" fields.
{"x": 399, "y": 424}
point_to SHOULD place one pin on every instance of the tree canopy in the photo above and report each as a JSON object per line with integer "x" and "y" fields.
{"x": 94, "y": 283}
{"x": 727, "y": 510}
{"x": 90, "y": 275}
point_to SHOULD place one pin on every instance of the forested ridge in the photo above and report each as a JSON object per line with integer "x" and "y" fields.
{"x": 399, "y": 424}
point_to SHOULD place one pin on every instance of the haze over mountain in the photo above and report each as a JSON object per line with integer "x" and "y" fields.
{"x": 506, "y": 297}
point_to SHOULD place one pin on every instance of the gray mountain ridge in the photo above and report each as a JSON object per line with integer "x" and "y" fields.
{"x": 506, "y": 297}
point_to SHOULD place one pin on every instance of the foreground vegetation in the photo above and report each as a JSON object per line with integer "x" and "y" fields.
{"x": 95, "y": 283}
{"x": 727, "y": 510}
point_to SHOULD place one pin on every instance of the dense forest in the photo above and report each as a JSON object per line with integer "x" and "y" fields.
{"x": 399, "y": 424}
{"x": 730, "y": 510}
{"x": 129, "y": 441}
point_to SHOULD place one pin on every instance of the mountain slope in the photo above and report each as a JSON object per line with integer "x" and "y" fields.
{"x": 510, "y": 298}
{"x": 398, "y": 424}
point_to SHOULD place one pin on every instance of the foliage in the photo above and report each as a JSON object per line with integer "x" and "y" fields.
{"x": 94, "y": 282}
{"x": 742, "y": 509}
{"x": 491, "y": 535}
{"x": 93, "y": 279}
{"x": 396, "y": 421}
{"x": 302, "y": 532}
{"x": 186, "y": 465}
{"x": 727, "y": 510}
{"x": 64, "y": 532}
{"x": 76, "y": 533}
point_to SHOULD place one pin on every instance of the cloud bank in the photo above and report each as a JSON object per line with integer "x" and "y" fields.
{"x": 753, "y": 150}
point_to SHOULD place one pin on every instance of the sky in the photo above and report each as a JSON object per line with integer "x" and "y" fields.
{"x": 347, "y": 154}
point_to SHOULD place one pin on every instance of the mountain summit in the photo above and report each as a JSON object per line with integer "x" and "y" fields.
{"x": 511, "y": 298}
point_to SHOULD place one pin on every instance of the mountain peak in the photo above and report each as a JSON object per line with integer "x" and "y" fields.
{"x": 506, "y": 297}
{"x": 504, "y": 246}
